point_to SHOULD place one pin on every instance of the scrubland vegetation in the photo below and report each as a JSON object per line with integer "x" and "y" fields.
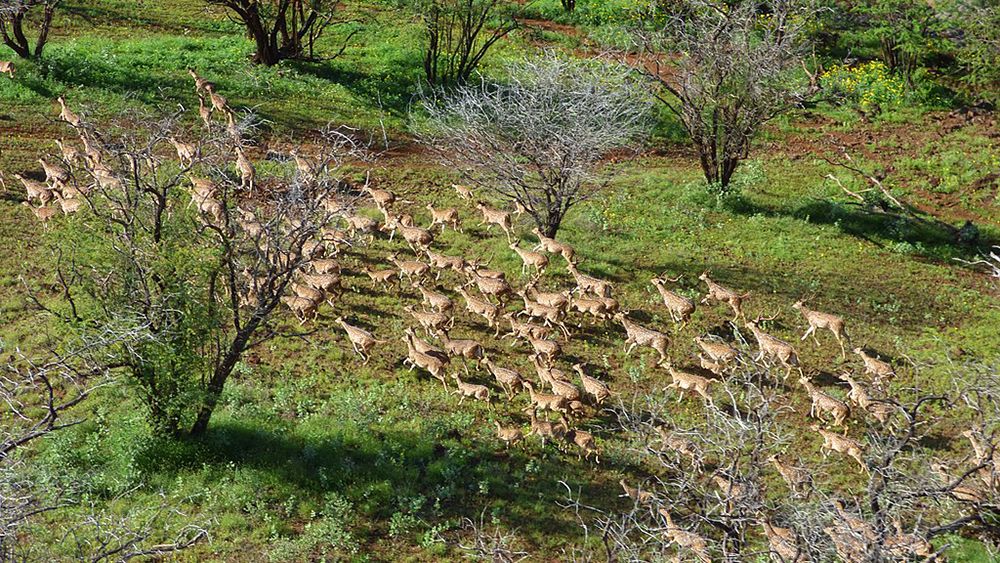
{"x": 578, "y": 280}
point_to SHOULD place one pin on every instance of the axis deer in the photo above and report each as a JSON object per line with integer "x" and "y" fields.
{"x": 833, "y": 442}
{"x": 425, "y": 347}
{"x": 205, "y": 112}
{"x": 496, "y": 217}
{"x": 798, "y": 479}
{"x": 219, "y": 103}
{"x": 447, "y": 217}
{"x": 200, "y": 84}
{"x": 444, "y": 262}
{"x": 436, "y": 300}
{"x": 824, "y": 403}
{"x": 784, "y": 543}
{"x": 431, "y": 364}
{"x": 70, "y": 154}
{"x": 637, "y": 335}
{"x": 875, "y": 366}
{"x": 543, "y": 428}
{"x": 7, "y": 67}
{"x": 547, "y": 401}
{"x": 305, "y": 166}
{"x": 530, "y": 259}
{"x": 545, "y": 349}
{"x": 382, "y": 198}
{"x": 594, "y": 387}
{"x": 473, "y": 390}
{"x": 462, "y": 348}
{"x": 637, "y": 494}
{"x": 680, "y": 308}
{"x": 595, "y": 307}
{"x": 525, "y": 330}
{"x": 687, "y": 381}
{"x": 386, "y": 278}
{"x": 360, "y": 224}
{"x": 816, "y": 320}
{"x": 585, "y": 442}
{"x": 248, "y": 174}
{"x": 361, "y": 339}
{"x": 483, "y": 308}
{"x": 433, "y": 323}
{"x": 186, "y": 152}
{"x": 36, "y": 190}
{"x": 497, "y": 288}
{"x": 550, "y": 316}
{"x": 54, "y": 174}
{"x": 552, "y": 246}
{"x": 412, "y": 269}
{"x": 681, "y": 445}
{"x": 463, "y": 192}
{"x": 723, "y": 294}
{"x": 417, "y": 238}
{"x": 508, "y": 435}
{"x": 301, "y": 307}
{"x": 775, "y": 348}
{"x": 42, "y": 213}
{"x": 557, "y": 299}
{"x": 509, "y": 380}
{"x": 685, "y": 539}
{"x": 67, "y": 114}
{"x": 586, "y": 283}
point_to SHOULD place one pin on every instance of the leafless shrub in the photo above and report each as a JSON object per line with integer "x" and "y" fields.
{"x": 538, "y": 139}
{"x": 483, "y": 543}
{"x": 725, "y": 69}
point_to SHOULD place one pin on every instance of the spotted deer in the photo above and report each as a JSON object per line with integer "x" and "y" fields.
{"x": 690, "y": 541}
{"x": 680, "y": 308}
{"x": 833, "y": 442}
{"x": 444, "y": 217}
{"x": 509, "y": 380}
{"x": 471, "y": 390}
{"x": 594, "y": 387}
{"x": 686, "y": 381}
{"x": 818, "y": 320}
{"x": 585, "y": 283}
{"x": 875, "y": 366}
{"x": 530, "y": 259}
{"x": 483, "y": 308}
{"x": 552, "y": 246}
{"x": 361, "y": 339}
{"x": 798, "y": 479}
{"x": 722, "y": 294}
{"x": 825, "y": 403}
{"x": 7, "y": 67}
{"x": 496, "y": 217}
{"x": 772, "y": 347}
{"x": 637, "y": 335}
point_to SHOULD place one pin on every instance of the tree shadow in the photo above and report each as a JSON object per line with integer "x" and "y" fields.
{"x": 932, "y": 241}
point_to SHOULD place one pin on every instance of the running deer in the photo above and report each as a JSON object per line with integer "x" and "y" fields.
{"x": 784, "y": 543}
{"x": 586, "y": 283}
{"x": 67, "y": 114}
{"x": 417, "y": 238}
{"x": 681, "y": 445}
{"x": 463, "y": 192}
{"x": 637, "y": 494}
{"x": 7, "y": 67}
{"x": 382, "y": 198}
{"x": 361, "y": 339}
{"x": 301, "y": 307}
{"x": 550, "y": 316}
{"x": 530, "y": 259}
{"x": 186, "y": 152}
{"x": 717, "y": 350}
{"x": 637, "y": 335}
{"x": 360, "y": 224}
{"x": 685, "y": 539}
{"x": 386, "y": 278}
{"x": 585, "y": 443}
{"x": 248, "y": 174}
{"x": 471, "y": 390}
{"x": 881, "y": 410}
{"x": 412, "y": 269}
{"x": 687, "y": 381}
{"x": 557, "y": 299}
{"x": 543, "y": 428}
{"x": 545, "y": 349}
{"x": 547, "y": 401}
{"x": 597, "y": 307}
{"x": 552, "y": 246}
{"x": 798, "y": 479}
{"x": 525, "y": 330}
{"x": 219, "y": 103}
{"x": 205, "y": 112}
{"x": 497, "y": 217}
{"x": 462, "y": 348}
{"x": 36, "y": 190}
{"x": 594, "y": 387}
{"x": 875, "y": 366}
{"x": 680, "y": 308}
{"x": 509, "y": 380}
{"x": 825, "y": 403}
{"x": 497, "y": 288}
{"x": 424, "y": 347}
{"x": 54, "y": 173}
{"x": 445, "y": 217}
{"x": 433, "y": 323}
{"x": 433, "y": 365}
{"x": 69, "y": 153}
{"x": 436, "y": 300}
{"x": 833, "y": 442}
{"x": 817, "y": 320}
{"x": 775, "y": 348}
{"x": 508, "y": 435}
{"x": 443, "y": 262}
{"x": 200, "y": 84}
{"x": 483, "y": 308}
{"x": 723, "y": 294}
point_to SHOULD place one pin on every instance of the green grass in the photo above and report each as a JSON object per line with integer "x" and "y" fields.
{"x": 312, "y": 453}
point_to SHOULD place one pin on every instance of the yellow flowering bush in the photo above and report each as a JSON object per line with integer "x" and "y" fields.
{"x": 869, "y": 85}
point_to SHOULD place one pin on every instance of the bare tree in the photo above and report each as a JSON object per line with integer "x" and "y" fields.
{"x": 459, "y": 34}
{"x": 283, "y": 29}
{"x": 725, "y": 69}
{"x": 204, "y": 282}
{"x": 539, "y": 138}
{"x": 12, "y": 20}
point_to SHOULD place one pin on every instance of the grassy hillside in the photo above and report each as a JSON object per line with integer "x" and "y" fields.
{"x": 314, "y": 454}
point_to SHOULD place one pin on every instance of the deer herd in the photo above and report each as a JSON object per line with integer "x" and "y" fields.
{"x": 540, "y": 322}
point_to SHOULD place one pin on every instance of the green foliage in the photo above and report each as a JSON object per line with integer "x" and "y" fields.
{"x": 869, "y": 86}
